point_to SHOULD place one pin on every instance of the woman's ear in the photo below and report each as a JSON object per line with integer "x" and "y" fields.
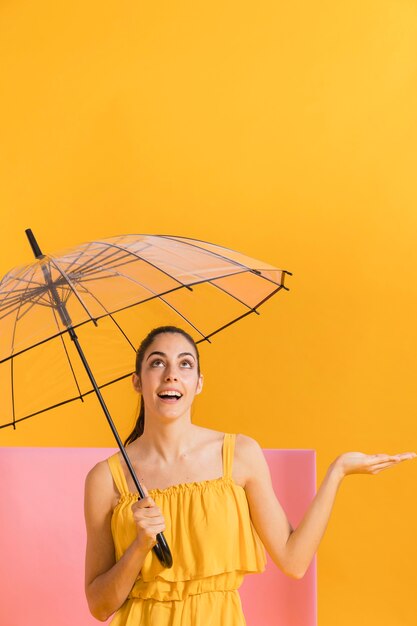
{"x": 136, "y": 383}
{"x": 199, "y": 385}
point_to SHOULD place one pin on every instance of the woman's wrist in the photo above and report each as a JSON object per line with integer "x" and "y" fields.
{"x": 336, "y": 470}
{"x": 143, "y": 545}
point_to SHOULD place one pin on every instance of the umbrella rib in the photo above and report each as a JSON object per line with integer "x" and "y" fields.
{"x": 17, "y": 317}
{"x": 35, "y": 297}
{"x": 110, "y": 253}
{"x": 111, "y": 265}
{"x": 231, "y": 294}
{"x": 128, "y": 253}
{"x": 82, "y": 285}
{"x": 16, "y": 304}
{"x": 33, "y": 302}
{"x": 247, "y": 268}
{"x": 271, "y": 294}
{"x": 21, "y": 279}
{"x": 221, "y": 256}
{"x": 91, "y": 264}
{"x": 78, "y": 256}
{"x": 14, "y": 294}
{"x": 75, "y": 260}
{"x": 3, "y": 278}
{"x": 240, "y": 316}
{"x": 130, "y": 278}
{"x": 199, "y": 282}
{"x": 11, "y": 360}
{"x": 66, "y": 352}
{"x": 88, "y": 260}
{"x": 109, "y": 314}
{"x": 123, "y": 332}
{"x": 62, "y": 272}
{"x": 156, "y": 296}
{"x": 80, "y": 397}
{"x": 80, "y": 274}
{"x": 9, "y": 276}
{"x": 146, "y": 261}
{"x": 185, "y": 319}
{"x": 203, "y": 280}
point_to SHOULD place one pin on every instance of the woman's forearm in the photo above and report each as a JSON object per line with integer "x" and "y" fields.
{"x": 107, "y": 592}
{"x": 304, "y": 541}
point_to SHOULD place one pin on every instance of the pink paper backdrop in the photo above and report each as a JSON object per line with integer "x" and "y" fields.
{"x": 42, "y": 540}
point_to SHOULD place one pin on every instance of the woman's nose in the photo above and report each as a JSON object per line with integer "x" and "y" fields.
{"x": 171, "y": 375}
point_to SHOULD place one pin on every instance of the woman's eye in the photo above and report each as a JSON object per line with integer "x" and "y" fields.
{"x": 186, "y": 363}
{"x": 157, "y": 363}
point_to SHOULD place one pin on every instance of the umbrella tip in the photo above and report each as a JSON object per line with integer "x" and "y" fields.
{"x": 34, "y": 244}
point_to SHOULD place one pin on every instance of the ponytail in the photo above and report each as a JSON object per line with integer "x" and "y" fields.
{"x": 139, "y": 426}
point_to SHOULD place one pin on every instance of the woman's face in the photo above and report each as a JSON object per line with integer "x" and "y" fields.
{"x": 169, "y": 378}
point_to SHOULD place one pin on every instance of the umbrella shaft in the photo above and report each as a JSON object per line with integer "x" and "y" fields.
{"x": 105, "y": 409}
{"x": 161, "y": 549}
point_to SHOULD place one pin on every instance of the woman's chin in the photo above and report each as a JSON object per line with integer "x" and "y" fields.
{"x": 171, "y": 412}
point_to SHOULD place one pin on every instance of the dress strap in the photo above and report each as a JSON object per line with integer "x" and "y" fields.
{"x": 118, "y": 474}
{"x": 228, "y": 452}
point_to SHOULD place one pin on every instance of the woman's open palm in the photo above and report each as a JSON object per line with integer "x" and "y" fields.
{"x": 360, "y": 463}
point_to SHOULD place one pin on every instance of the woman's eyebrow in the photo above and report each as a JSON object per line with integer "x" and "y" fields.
{"x": 163, "y": 354}
{"x": 186, "y": 354}
{"x": 156, "y": 352}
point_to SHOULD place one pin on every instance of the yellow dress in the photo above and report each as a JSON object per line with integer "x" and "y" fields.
{"x": 213, "y": 545}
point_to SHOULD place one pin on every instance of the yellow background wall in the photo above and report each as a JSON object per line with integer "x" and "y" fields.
{"x": 286, "y": 130}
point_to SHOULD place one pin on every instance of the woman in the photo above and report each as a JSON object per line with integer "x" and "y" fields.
{"x": 210, "y": 493}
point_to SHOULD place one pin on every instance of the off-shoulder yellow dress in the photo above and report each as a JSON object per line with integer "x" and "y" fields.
{"x": 213, "y": 545}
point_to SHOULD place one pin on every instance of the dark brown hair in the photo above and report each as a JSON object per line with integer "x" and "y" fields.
{"x": 147, "y": 341}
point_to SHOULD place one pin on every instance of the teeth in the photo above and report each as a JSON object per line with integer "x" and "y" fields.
{"x": 174, "y": 394}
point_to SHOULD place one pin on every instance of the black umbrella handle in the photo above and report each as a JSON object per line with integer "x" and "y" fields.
{"x": 162, "y": 551}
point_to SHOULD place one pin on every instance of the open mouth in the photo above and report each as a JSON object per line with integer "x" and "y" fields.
{"x": 170, "y": 396}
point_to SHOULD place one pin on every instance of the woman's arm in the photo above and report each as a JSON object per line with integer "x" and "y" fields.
{"x": 107, "y": 582}
{"x": 293, "y": 550}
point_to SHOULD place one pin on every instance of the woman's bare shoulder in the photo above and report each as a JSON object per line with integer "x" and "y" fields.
{"x": 244, "y": 443}
{"x": 249, "y": 459}
{"x": 99, "y": 484}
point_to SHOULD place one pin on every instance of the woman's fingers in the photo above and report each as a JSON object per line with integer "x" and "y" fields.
{"x": 403, "y": 456}
{"x": 386, "y": 461}
{"x": 146, "y": 512}
{"x": 146, "y": 507}
{"x": 360, "y": 463}
{"x": 148, "y": 519}
{"x": 145, "y": 503}
{"x": 395, "y": 459}
{"x": 384, "y": 465}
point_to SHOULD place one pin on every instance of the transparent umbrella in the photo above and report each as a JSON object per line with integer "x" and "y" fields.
{"x": 70, "y": 323}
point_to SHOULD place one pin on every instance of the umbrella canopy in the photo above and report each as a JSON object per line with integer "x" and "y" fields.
{"x": 50, "y": 356}
{"x": 112, "y": 292}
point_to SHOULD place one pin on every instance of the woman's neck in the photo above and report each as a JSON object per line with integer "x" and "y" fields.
{"x": 169, "y": 441}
